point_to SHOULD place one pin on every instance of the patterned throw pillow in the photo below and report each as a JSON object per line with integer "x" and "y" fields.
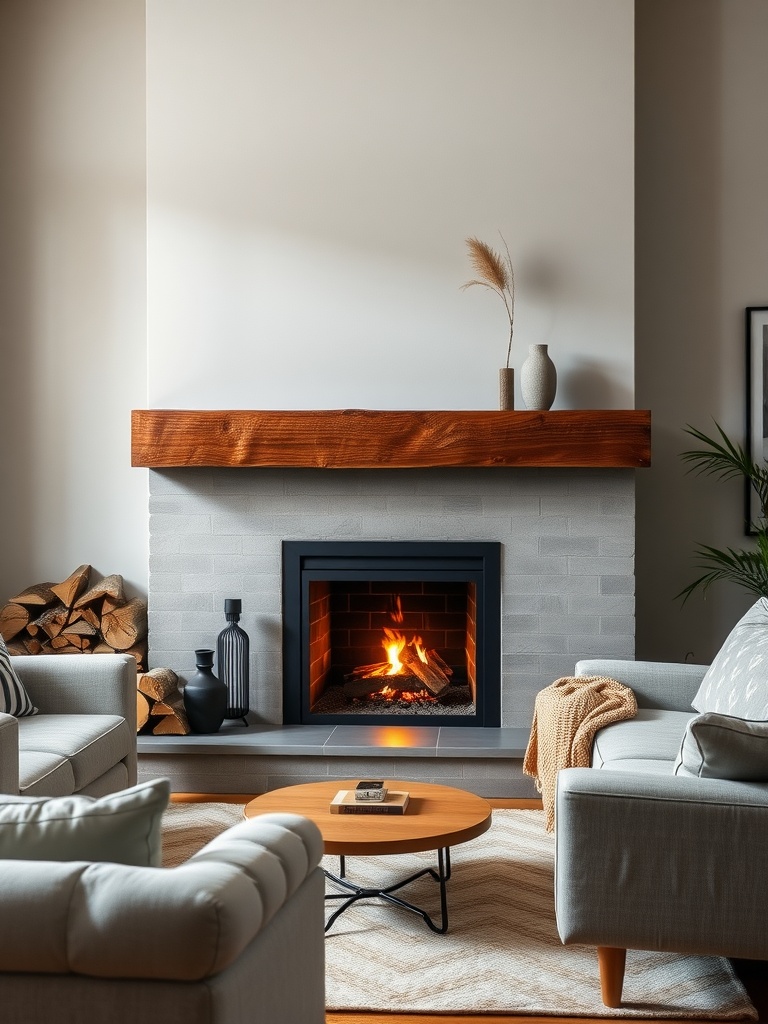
{"x": 14, "y": 699}
{"x": 736, "y": 683}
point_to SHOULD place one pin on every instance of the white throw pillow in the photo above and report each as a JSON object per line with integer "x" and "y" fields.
{"x": 123, "y": 827}
{"x": 736, "y": 683}
{"x": 14, "y": 699}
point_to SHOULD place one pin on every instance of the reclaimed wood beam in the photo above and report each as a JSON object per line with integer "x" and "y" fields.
{"x": 382, "y": 439}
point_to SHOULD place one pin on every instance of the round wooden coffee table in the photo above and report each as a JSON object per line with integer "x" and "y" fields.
{"x": 437, "y": 818}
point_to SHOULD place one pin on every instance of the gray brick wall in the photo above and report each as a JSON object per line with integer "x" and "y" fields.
{"x": 567, "y": 564}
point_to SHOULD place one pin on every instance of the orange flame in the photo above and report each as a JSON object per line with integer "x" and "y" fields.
{"x": 393, "y": 643}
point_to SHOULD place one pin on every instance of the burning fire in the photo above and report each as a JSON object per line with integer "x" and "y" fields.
{"x": 423, "y": 674}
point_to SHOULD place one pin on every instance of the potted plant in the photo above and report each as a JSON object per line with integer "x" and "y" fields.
{"x": 746, "y": 567}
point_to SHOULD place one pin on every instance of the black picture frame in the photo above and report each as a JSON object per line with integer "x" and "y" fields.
{"x": 756, "y": 332}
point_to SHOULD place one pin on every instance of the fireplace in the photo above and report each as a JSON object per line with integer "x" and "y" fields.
{"x": 387, "y": 632}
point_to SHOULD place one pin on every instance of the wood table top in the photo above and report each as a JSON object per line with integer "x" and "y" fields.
{"x": 436, "y": 817}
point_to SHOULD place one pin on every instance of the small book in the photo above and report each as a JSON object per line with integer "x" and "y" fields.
{"x": 345, "y": 803}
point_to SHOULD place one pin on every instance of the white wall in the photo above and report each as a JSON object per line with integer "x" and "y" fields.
{"x": 72, "y": 288}
{"x": 314, "y": 170}
{"x": 702, "y": 257}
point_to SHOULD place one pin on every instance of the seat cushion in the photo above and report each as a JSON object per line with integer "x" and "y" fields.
{"x": 42, "y": 774}
{"x": 91, "y": 743}
{"x": 649, "y": 742}
{"x": 736, "y": 683}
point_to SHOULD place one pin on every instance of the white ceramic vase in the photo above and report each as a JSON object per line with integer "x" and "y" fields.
{"x": 538, "y": 379}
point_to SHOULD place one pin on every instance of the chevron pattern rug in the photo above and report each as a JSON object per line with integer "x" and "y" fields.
{"x": 501, "y": 953}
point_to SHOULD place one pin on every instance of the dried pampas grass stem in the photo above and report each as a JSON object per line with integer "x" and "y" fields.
{"x": 495, "y": 272}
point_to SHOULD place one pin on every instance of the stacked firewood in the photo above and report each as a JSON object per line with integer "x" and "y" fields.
{"x": 76, "y": 617}
{"x": 159, "y": 704}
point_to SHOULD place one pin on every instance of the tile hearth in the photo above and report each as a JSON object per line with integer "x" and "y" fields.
{"x": 483, "y": 761}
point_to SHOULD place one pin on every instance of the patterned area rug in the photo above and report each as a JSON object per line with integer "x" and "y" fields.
{"x": 501, "y": 953}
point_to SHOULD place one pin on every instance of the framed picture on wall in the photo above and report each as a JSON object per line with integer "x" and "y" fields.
{"x": 757, "y": 401}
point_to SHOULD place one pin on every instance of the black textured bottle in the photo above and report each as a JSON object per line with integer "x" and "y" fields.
{"x": 205, "y": 696}
{"x": 232, "y": 657}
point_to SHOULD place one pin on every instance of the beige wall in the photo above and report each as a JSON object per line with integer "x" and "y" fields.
{"x": 702, "y": 257}
{"x": 72, "y": 288}
{"x": 314, "y": 170}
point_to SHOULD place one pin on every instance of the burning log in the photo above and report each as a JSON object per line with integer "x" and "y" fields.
{"x": 433, "y": 677}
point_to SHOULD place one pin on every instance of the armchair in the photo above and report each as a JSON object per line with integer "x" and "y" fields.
{"x": 650, "y": 859}
{"x": 84, "y": 738}
{"x": 232, "y": 936}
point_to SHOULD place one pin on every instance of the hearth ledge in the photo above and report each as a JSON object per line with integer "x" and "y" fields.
{"x": 373, "y": 741}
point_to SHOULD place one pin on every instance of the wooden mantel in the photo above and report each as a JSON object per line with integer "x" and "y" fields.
{"x": 379, "y": 439}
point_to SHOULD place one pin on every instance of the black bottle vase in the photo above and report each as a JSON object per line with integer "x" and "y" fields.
{"x": 205, "y": 696}
{"x": 232, "y": 657}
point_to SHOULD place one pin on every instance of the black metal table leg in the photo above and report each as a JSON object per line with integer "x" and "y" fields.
{"x": 355, "y": 893}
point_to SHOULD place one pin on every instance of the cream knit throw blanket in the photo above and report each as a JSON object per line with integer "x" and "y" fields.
{"x": 566, "y": 716}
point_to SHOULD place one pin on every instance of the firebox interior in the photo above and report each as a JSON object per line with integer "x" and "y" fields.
{"x": 375, "y": 632}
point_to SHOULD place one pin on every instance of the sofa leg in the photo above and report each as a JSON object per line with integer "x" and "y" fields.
{"x": 611, "y": 961}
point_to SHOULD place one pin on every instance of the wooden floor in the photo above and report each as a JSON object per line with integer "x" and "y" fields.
{"x": 754, "y": 974}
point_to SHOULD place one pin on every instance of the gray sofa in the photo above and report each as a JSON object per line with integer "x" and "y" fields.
{"x": 84, "y": 738}
{"x": 650, "y": 859}
{"x": 233, "y": 936}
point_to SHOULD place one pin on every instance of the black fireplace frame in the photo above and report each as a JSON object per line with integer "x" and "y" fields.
{"x": 475, "y": 561}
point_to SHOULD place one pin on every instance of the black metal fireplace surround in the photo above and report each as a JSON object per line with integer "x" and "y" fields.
{"x": 342, "y": 599}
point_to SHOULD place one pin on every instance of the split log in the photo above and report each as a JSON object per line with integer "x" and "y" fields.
{"x": 73, "y": 586}
{"x": 435, "y": 659}
{"x": 376, "y": 668}
{"x": 16, "y": 648}
{"x": 124, "y": 626}
{"x": 356, "y": 688}
{"x": 110, "y": 586}
{"x": 142, "y": 711}
{"x": 80, "y": 628}
{"x": 89, "y": 615}
{"x": 172, "y": 718}
{"x": 51, "y": 622}
{"x": 39, "y": 594}
{"x": 13, "y": 618}
{"x": 31, "y": 646}
{"x": 158, "y": 683}
{"x": 64, "y": 648}
{"x": 433, "y": 678}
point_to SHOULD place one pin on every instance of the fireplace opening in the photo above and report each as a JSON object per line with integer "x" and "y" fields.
{"x": 378, "y": 632}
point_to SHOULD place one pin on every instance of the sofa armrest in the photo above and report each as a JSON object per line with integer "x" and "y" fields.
{"x": 9, "y": 754}
{"x": 661, "y": 862}
{"x": 184, "y": 924}
{"x": 670, "y": 686}
{"x": 80, "y": 684}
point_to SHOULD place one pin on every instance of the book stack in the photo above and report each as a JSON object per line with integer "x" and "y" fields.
{"x": 345, "y": 803}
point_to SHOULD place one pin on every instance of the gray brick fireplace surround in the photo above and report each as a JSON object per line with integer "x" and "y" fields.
{"x": 567, "y": 539}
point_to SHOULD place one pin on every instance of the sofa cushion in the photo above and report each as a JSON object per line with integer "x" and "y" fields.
{"x": 123, "y": 827}
{"x": 736, "y": 683}
{"x": 649, "y": 742}
{"x": 723, "y": 747}
{"x": 42, "y": 774}
{"x": 91, "y": 743}
{"x": 14, "y": 699}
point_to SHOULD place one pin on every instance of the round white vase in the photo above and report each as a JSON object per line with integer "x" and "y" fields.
{"x": 538, "y": 379}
